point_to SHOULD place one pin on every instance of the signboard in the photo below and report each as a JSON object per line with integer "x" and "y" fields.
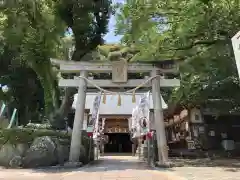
{"x": 191, "y": 144}
{"x": 236, "y": 50}
{"x": 119, "y": 71}
{"x": 116, "y": 130}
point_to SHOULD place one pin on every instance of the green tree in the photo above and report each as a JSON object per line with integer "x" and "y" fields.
{"x": 88, "y": 21}
{"x": 197, "y": 32}
{"x": 32, "y": 32}
{"x": 29, "y": 33}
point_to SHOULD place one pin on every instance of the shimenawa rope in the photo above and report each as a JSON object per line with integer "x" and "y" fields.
{"x": 131, "y": 91}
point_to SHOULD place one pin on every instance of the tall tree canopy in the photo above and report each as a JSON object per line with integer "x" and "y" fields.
{"x": 196, "y": 31}
{"x": 88, "y": 20}
{"x": 31, "y": 32}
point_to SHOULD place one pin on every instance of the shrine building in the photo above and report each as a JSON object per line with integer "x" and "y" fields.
{"x": 116, "y": 119}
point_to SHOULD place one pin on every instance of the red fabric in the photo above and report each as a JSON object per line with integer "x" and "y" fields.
{"x": 149, "y": 135}
{"x": 89, "y": 134}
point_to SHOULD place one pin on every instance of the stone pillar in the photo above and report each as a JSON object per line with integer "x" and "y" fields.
{"x": 133, "y": 149}
{"x": 76, "y": 140}
{"x": 139, "y": 148}
{"x": 145, "y": 150}
{"x": 159, "y": 120}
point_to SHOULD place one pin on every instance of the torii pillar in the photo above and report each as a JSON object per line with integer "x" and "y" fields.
{"x": 76, "y": 140}
{"x": 159, "y": 120}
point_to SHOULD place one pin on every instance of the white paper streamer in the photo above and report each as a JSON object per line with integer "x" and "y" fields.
{"x": 95, "y": 116}
{"x": 140, "y": 123}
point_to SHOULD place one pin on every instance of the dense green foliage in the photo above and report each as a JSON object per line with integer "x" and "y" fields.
{"x": 31, "y": 32}
{"x": 29, "y": 36}
{"x": 196, "y": 31}
{"x": 88, "y": 21}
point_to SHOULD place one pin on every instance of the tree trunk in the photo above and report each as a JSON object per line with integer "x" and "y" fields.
{"x": 57, "y": 119}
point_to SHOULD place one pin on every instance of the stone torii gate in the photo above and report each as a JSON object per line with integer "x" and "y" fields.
{"x": 119, "y": 70}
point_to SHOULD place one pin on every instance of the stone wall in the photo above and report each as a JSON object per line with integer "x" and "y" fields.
{"x": 31, "y": 148}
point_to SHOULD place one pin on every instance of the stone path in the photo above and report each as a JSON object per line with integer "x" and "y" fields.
{"x": 107, "y": 168}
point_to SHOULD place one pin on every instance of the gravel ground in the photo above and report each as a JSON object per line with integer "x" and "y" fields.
{"x": 207, "y": 173}
{"x": 207, "y": 169}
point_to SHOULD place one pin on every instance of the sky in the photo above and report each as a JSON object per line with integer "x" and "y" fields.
{"x": 110, "y": 37}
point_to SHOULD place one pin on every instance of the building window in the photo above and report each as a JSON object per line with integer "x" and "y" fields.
{"x": 197, "y": 117}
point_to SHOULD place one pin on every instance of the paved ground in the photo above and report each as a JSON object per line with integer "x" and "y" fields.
{"x": 107, "y": 168}
{"x": 123, "y": 168}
